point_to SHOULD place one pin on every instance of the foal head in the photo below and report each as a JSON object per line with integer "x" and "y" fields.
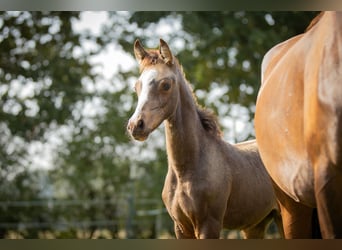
{"x": 156, "y": 89}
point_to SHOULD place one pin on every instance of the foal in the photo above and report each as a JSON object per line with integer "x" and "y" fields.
{"x": 210, "y": 184}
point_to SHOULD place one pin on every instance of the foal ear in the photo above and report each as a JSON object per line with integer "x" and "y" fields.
{"x": 139, "y": 52}
{"x": 165, "y": 52}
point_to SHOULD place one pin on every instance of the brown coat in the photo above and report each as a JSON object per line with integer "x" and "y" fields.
{"x": 298, "y": 124}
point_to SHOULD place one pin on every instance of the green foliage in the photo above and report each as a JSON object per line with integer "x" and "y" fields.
{"x": 41, "y": 81}
{"x": 37, "y": 49}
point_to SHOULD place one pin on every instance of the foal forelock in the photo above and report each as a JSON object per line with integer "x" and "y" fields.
{"x": 152, "y": 58}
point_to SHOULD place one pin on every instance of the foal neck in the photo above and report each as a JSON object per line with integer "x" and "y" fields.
{"x": 183, "y": 130}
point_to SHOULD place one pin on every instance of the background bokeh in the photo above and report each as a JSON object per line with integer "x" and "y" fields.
{"x": 67, "y": 166}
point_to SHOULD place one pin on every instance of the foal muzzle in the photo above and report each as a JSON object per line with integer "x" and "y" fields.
{"x": 137, "y": 129}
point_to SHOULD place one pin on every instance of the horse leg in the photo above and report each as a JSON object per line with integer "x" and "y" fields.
{"x": 296, "y": 217}
{"x": 316, "y": 229}
{"x": 209, "y": 229}
{"x": 279, "y": 222}
{"x": 329, "y": 200}
{"x": 183, "y": 233}
{"x": 258, "y": 231}
{"x": 254, "y": 233}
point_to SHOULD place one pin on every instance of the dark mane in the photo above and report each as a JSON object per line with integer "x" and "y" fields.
{"x": 209, "y": 121}
{"x": 207, "y": 117}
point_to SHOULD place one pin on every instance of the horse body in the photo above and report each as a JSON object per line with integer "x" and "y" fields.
{"x": 298, "y": 126}
{"x": 210, "y": 184}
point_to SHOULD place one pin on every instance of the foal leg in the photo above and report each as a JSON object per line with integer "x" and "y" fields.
{"x": 258, "y": 231}
{"x": 209, "y": 229}
{"x": 279, "y": 222}
{"x": 183, "y": 233}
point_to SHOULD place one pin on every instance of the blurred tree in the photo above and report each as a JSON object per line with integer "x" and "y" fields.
{"x": 25, "y": 186}
{"x": 38, "y": 51}
{"x": 42, "y": 66}
{"x": 42, "y": 71}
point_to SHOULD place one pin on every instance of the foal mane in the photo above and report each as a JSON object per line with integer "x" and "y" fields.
{"x": 207, "y": 117}
{"x": 209, "y": 121}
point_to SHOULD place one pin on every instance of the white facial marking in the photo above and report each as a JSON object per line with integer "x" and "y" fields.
{"x": 145, "y": 79}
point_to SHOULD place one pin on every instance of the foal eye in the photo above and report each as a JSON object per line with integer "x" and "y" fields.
{"x": 166, "y": 86}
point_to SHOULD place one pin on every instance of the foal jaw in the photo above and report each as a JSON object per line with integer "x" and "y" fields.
{"x": 140, "y": 137}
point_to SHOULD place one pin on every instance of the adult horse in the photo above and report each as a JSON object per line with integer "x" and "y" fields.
{"x": 210, "y": 184}
{"x": 298, "y": 126}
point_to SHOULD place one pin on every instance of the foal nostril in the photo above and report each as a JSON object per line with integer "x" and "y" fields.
{"x": 140, "y": 124}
